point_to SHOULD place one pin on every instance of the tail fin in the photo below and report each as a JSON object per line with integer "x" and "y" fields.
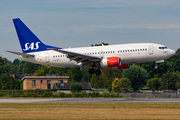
{"x": 28, "y": 40}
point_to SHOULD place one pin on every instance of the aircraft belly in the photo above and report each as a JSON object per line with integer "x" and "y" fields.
{"x": 62, "y": 63}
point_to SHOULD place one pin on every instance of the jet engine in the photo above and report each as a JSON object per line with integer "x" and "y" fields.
{"x": 110, "y": 62}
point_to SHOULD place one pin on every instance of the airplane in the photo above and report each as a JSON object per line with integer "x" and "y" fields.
{"x": 119, "y": 56}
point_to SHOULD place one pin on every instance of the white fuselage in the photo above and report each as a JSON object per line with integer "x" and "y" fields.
{"x": 128, "y": 53}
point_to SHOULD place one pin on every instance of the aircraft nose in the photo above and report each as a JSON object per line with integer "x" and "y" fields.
{"x": 171, "y": 52}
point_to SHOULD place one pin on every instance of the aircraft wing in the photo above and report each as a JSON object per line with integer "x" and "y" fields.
{"x": 78, "y": 57}
{"x": 22, "y": 54}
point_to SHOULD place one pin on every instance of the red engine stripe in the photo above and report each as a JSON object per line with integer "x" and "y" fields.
{"x": 112, "y": 61}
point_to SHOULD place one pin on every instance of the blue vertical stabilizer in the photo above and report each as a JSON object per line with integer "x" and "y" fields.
{"x": 28, "y": 40}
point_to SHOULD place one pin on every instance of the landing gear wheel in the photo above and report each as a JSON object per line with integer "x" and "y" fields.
{"x": 97, "y": 72}
{"x": 91, "y": 71}
{"x": 156, "y": 66}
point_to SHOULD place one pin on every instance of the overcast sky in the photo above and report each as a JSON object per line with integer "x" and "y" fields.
{"x": 80, "y": 23}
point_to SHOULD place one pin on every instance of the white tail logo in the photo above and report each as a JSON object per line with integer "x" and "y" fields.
{"x": 31, "y": 46}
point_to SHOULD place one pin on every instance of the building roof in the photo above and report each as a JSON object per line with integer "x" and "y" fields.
{"x": 42, "y": 77}
{"x": 66, "y": 86}
{"x": 20, "y": 76}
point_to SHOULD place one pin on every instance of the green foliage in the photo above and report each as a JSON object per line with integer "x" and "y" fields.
{"x": 16, "y": 62}
{"x": 169, "y": 81}
{"x": 2, "y": 94}
{"x": 112, "y": 95}
{"x": 30, "y": 94}
{"x": 19, "y": 67}
{"x": 86, "y": 77}
{"x": 121, "y": 96}
{"x": 43, "y": 70}
{"x": 94, "y": 81}
{"x": 124, "y": 84}
{"x": 2, "y": 68}
{"x": 105, "y": 94}
{"x": 162, "y": 68}
{"x": 47, "y": 94}
{"x": 137, "y": 75}
{"x": 77, "y": 94}
{"x": 108, "y": 85}
{"x": 75, "y": 87}
{"x": 100, "y": 44}
{"x": 76, "y": 74}
{"x": 115, "y": 84}
{"x": 30, "y": 68}
{"x": 6, "y": 82}
{"x": 154, "y": 84}
{"x": 107, "y": 74}
{"x": 15, "y": 95}
{"x": 178, "y": 85}
{"x": 95, "y": 94}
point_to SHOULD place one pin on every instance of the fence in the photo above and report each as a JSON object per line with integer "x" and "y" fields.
{"x": 153, "y": 95}
{"x": 175, "y": 94}
{"x": 22, "y": 92}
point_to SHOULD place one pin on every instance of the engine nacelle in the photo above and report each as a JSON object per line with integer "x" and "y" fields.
{"x": 123, "y": 66}
{"x": 110, "y": 62}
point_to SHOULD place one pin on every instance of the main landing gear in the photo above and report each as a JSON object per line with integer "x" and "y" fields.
{"x": 92, "y": 71}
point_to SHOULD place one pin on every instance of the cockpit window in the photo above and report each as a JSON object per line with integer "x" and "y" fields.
{"x": 163, "y": 47}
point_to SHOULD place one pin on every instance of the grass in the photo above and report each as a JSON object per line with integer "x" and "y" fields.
{"x": 46, "y": 111}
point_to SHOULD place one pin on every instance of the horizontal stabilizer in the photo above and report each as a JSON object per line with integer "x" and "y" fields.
{"x": 22, "y": 54}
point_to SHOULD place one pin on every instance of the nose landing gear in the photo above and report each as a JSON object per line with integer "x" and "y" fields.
{"x": 156, "y": 66}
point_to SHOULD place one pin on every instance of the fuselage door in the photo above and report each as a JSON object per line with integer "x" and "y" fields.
{"x": 150, "y": 49}
{"x": 47, "y": 58}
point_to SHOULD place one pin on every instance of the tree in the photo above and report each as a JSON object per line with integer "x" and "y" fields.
{"x": 86, "y": 77}
{"x": 30, "y": 68}
{"x": 107, "y": 75}
{"x": 16, "y": 62}
{"x": 2, "y": 68}
{"x": 43, "y": 70}
{"x": 154, "y": 84}
{"x": 175, "y": 61}
{"x": 76, "y": 74}
{"x": 137, "y": 75}
{"x": 100, "y": 44}
{"x": 17, "y": 85}
{"x": 108, "y": 85}
{"x": 94, "y": 80}
{"x": 124, "y": 84}
{"x": 162, "y": 68}
{"x": 115, "y": 85}
{"x": 6, "y": 82}
{"x": 75, "y": 87}
{"x": 169, "y": 81}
